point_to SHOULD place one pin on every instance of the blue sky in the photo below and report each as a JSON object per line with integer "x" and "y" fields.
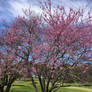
{"x": 12, "y": 8}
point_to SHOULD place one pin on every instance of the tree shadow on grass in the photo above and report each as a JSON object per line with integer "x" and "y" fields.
{"x": 18, "y": 85}
{"x": 83, "y": 85}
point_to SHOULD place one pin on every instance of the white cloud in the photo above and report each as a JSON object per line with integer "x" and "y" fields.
{"x": 15, "y": 7}
{"x": 74, "y": 3}
{"x": 18, "y": 6}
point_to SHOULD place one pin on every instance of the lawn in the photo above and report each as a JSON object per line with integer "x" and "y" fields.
{"x": 26, "y": 86}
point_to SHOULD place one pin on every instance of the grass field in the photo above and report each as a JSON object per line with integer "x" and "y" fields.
{"x": 26, "y": 86}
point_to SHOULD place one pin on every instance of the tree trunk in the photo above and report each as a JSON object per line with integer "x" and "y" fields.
{"x": 63, "y": 83}
{"x": 1, "y": 88}
{"x": 34, "y": 85}
{"x": 41, "y": 83}
{"x": 50, "y": 91}
{"x": 8, "y": 88}
{"x": 36, "y": 90}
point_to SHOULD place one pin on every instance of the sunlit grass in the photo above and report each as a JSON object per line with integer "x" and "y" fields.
{"x": 26, "y": 86}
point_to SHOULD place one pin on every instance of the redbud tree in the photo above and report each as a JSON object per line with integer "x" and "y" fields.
{"x": 47, "y": 47}
{"x": 9, "y": 67}
{"x": 67, "y": 40}
{"x": 18, "y": 42}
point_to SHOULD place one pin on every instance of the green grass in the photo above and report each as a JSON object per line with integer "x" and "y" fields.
{"x": 26, "y": 86}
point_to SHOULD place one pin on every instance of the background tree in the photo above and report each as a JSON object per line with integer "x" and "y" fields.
{"x": 82, "y": 73}
{"x": 9, "y": 67}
